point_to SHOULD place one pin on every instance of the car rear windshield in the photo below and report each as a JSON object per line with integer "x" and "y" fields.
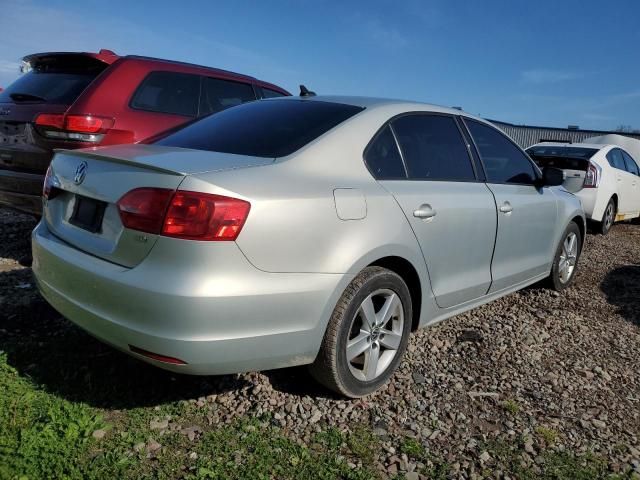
{"x": 567, "y": 152}
{"x": 55, "y": 79}
{"x": 568, "y": 158}
{"x": 267, "y": 128}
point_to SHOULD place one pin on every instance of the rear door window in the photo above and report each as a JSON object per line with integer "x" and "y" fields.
{"x": 433, "y": 148}
{"x": 268, "y": 93}
{"x": 503, "y": 161}
{"x": 218, "y": 94}
{"x": 58, "y": 79}
{"x": 168, "y": 92}
{"x": 383, "y": 158}
{"x": 616, "y": 160}
{"x": 271, "y": 129}
{"x": 632, "y": 166}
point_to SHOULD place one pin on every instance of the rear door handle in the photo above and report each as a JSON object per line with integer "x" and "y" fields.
{"x": 424, "y": 211}
{"x": 506, "y": 207}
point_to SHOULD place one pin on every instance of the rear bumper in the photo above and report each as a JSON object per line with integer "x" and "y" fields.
{"x": 21, "y": 191}
{"x": 208, "y": 307}
{"x": 591, "y": 199}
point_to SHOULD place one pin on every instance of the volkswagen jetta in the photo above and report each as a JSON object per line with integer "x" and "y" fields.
{"x": 314, "y": 230}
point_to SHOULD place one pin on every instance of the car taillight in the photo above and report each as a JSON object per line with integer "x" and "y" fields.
{"x": 55, "y": 120}
{"x": 592, "y": 178}
{"x": 183, "y": 214}
{"x": 46, "y": 186}
{"x": 203, "y": 216}
{"x": 143, "y": 209}
{"x": 85, "y": 128}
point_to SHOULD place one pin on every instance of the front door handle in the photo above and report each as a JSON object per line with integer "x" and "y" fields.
{"x": 506, "y": 207}
{"x": 424, "y": 211}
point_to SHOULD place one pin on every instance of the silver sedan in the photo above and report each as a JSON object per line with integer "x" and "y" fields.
{"x": 301, "y": 230}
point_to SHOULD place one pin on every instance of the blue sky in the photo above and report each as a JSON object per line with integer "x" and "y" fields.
{"x": 542, "y": 63}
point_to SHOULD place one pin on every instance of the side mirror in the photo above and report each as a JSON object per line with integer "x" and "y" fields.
{"x": 552, "y": 177}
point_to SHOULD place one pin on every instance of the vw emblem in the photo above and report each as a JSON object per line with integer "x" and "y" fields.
{"x": 81, "y": 172}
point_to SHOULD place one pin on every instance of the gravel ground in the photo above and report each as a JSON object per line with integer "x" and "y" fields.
{"x": 536, "y": 370}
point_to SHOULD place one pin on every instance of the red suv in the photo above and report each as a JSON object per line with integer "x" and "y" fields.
{"x": 77, "y": 100}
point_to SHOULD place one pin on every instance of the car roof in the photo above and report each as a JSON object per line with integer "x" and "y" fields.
{"x": 374, "y": 102}
{"x": 108, "y": 57}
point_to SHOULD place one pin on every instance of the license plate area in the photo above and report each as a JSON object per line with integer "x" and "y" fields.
{"x": 87, "y": 214}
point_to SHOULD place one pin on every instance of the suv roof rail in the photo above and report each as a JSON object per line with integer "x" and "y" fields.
{"x": 187, "y": 64}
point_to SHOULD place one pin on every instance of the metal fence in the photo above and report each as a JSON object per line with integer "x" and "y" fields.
{"x": 525, "y": 135}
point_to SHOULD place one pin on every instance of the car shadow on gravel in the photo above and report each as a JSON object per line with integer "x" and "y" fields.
{"x": 15, "y": 236}
{"x": 66, "y": 361}
{"x": 622, "y": 289}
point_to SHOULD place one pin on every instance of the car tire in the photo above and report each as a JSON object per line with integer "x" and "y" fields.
{"x": 565, "y": 261}
{"x": 370, "y": 294}
{"x": 608, "y": 217}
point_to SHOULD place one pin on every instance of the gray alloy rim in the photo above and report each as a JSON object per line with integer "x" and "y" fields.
{"x": 608, "y": 216}
{"x": 375, "y": 335}
{"x": 568, "y": 257}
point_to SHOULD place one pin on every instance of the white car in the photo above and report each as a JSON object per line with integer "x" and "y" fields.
{"x": 604, "y": 177}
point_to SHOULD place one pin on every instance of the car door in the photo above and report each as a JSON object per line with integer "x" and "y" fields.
{"x": 451, "y": 212}
{"x": 526, "y": 214}
{"x": 624, "y": 181}
{"x": 634, "y": 171}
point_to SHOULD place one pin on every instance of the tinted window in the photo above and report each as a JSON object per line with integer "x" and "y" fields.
{"x": 503, "y": 161}
{"x": 268, "y": 93}
{"x": 220, "y": 94}
{"x": 271, "y": 129}
{"x": 632, "y": 166}
{"x": 563, "y": 152}
{"x": 383, "y": 158}
{"x": 59, "y": 79}
{"x": 168, "y": 92}
{"x": 433, "y": 148}
{"x": 615, "y": 158}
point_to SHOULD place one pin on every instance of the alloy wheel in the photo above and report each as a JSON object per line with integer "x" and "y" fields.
{"x": 375, "y": 335}
{"x": 608, "y": 216}
{"x": 568, "y": 257}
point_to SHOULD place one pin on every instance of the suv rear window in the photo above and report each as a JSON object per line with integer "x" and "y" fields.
{"x": 268, "y": 128}
{"x": 56, "y": 79}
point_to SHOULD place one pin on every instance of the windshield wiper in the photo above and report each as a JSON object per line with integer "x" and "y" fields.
{"x": 26, "y": 97}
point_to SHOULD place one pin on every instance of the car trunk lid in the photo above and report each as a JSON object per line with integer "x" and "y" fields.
{"x": 575, "y": 170}
{"x": 87, "y": 184}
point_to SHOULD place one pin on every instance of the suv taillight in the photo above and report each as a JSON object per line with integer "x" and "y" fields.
{"x": 183, "y": 214}
{"x": 592, "y": 178}
{"x": 84, "y": 128}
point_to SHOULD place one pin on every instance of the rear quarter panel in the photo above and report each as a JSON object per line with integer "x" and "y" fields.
{"x": 595, "y": 199}
{"x": 293, "y": 225}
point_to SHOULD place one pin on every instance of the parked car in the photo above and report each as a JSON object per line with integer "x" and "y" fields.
{"x": 315, "y": 230}
{"x": 76, "y": 100}
{"x": 604, "y": 177}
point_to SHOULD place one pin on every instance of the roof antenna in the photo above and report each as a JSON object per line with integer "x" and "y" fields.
{"x": 305, "y": 92}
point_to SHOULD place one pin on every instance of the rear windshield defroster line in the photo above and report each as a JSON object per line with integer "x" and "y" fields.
{"x": 268, "y": 128}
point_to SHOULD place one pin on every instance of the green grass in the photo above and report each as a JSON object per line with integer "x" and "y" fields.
{"x": 511, "y": 406}
{"x": 549, "y": 435}
{"x": 45, "y": 436}
{"x": 554, "y": 465}
{"x": 50, "y": 407}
